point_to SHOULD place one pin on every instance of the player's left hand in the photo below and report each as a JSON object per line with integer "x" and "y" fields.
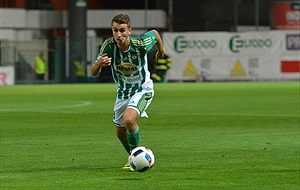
{"x": 159, "y": 55}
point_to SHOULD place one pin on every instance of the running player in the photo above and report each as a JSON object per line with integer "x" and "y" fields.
{"x": 127, "y": 57}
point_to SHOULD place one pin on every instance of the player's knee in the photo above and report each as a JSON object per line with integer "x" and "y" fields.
{"x": 129, "y": 122}
{"x": 130, "y": 117}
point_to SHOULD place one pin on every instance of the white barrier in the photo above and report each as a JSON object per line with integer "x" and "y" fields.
{"x": 233, "y": 56}
{"x": 7, "y": 75}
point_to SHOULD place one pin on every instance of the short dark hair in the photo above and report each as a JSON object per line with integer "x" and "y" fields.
{"x": 122, "y": 19}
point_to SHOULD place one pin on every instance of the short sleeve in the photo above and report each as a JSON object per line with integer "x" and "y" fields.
{"x": 149, "y": 40}
{"x": 105, "y": 48}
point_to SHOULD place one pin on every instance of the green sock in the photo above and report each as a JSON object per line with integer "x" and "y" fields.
{"x": 127, "y": 148}
{"x": 133, "y": 138}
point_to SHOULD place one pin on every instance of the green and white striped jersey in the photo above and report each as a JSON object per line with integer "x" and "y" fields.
{"x": 130, "y": 68}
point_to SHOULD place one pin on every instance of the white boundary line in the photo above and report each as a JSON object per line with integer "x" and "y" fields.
{"x": 232, "y": 114}
{"x": 87, "y": 103}
{"x": 48, "y": 109}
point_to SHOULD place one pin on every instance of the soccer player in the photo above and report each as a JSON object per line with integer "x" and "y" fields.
{"x": 127, "y": 57}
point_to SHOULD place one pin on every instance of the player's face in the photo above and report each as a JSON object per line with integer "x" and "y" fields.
{"x": 121, "y": 33}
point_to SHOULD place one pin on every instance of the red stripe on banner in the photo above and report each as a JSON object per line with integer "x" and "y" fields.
{"x": 290, "y": 66}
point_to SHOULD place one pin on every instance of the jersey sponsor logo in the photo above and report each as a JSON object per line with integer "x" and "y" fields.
{"x": 127, "y": 68}
{"x": 129, "y": 80}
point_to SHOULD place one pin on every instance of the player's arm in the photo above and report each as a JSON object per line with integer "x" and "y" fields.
{"x": 103, "y": 61}
{"x": 160, "y": 48}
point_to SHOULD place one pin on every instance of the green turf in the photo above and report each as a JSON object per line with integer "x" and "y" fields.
{"x": 204, "y": 136}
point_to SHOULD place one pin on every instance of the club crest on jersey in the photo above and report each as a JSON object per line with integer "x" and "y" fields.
{"x": 127, "y": 68}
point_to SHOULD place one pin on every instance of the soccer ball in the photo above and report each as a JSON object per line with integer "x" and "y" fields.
{"x": 141, "y": 159}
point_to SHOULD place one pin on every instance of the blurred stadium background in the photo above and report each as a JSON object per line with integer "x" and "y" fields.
{"x": 65, "y": 30}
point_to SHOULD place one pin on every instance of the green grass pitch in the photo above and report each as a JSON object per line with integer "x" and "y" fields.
{"x": 235, "y": 135}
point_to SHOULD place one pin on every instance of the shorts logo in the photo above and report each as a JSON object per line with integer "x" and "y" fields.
{"x": 127, "y": 68}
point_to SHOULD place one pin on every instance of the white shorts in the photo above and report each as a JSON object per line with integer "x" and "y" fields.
{"x": 140, "y": 102}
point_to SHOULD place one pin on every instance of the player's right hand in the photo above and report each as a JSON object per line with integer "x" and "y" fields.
{"x": 104, "y": 60}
